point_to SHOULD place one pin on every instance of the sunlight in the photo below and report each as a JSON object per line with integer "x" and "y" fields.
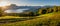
{"x": 4, "y": 3}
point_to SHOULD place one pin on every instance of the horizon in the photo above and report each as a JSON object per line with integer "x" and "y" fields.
{"x": 33, "y": 2}
{"x": 29, "y": 3}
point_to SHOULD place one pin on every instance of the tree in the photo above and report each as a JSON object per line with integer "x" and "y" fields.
{"x": 39, "y": 11}
{"x": 58, "y": 8}
{"x": 0, "y": 11}
{"x": 49, "y": 10}
{"x": 55, "y": 9}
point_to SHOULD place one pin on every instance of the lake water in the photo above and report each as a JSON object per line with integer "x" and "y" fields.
{"x": 15, "y": 10}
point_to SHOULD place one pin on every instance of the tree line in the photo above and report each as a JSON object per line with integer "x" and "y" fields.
{"x": 48, "y": 10}
{"x": 39, "y": 12}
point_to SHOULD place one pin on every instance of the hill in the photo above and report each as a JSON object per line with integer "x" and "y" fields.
{"x": 51, "y": 19}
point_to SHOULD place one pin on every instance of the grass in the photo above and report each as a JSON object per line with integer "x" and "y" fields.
{"x": 51, "y": 19}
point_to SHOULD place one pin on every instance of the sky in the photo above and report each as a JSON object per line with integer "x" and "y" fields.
{"x": 34, "y": 2}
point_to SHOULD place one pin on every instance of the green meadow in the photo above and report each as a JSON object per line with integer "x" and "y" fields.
{"x": 50, "y": 19}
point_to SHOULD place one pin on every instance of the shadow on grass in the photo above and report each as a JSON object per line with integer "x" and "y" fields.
{"x": 13, "y": 20}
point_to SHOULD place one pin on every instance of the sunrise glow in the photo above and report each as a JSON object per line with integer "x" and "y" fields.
{"x": 3, "y": 3}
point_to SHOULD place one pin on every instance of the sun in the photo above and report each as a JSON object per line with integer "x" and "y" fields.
{"x": 3, "y": 3}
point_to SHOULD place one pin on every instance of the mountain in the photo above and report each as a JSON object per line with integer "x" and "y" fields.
{"x": 20, "y": 9}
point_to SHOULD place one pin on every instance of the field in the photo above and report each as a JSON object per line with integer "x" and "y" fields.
{"x": 50, "y": 19}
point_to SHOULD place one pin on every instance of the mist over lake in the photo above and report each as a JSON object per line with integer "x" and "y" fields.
{"x": 16, "y": 10}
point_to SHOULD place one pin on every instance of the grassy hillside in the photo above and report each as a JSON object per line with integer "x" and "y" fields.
{"x": 51, "y": 19}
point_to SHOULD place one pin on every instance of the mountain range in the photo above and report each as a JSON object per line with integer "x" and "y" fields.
{"x": 18, "y": 9}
